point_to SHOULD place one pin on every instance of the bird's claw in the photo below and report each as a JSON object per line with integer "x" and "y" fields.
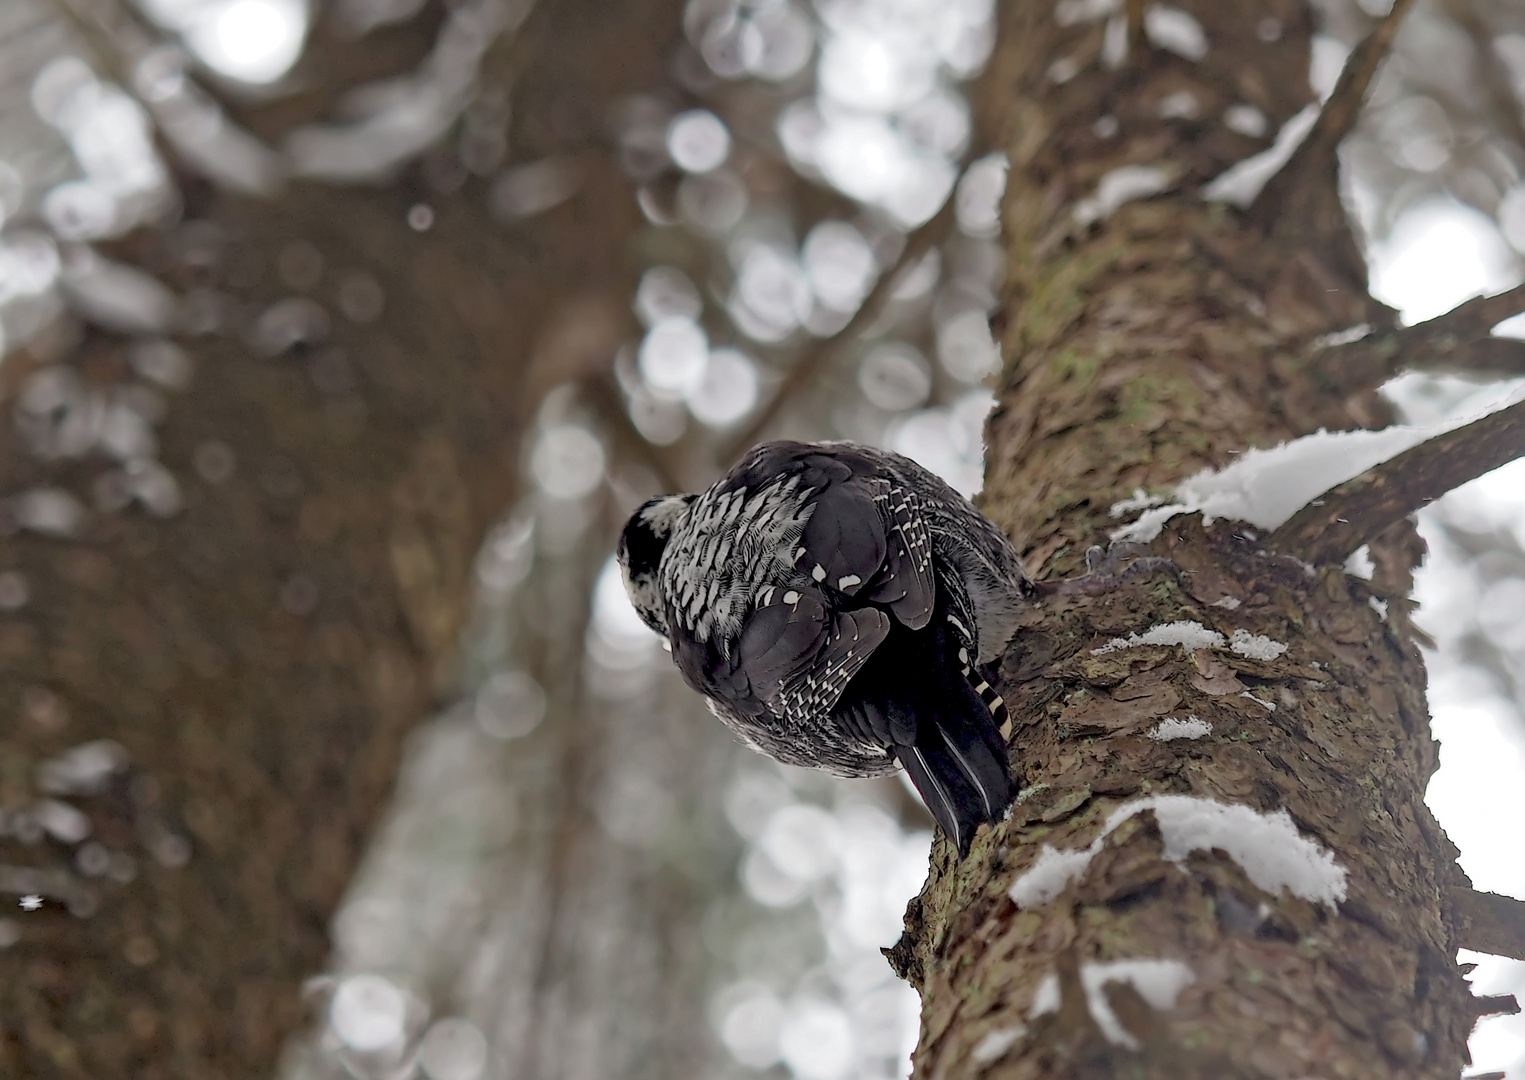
{"x": 1102, "y": 574}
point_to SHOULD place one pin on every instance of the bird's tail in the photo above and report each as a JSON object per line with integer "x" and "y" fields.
{"x": 958, "y": 764}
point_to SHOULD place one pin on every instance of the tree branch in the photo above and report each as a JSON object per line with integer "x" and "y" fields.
{"x": 1501, "y": 106}
{"x": 1455, "y": 342}
{"x": 811, "y": 362}
{"x": 1470, "y": 320}
{"x": 1347, "y": 516}
{"x": 602, "y": 393}
{"x": 1313, "y": 164}
{"x": 1488, "y": 922}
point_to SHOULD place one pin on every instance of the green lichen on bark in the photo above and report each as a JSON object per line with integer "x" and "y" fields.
{"x": 1140, "y": 348}
{"x": 1334, "y": 731}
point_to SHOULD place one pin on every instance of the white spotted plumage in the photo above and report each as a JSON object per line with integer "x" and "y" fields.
{"x": 739, "y": 551}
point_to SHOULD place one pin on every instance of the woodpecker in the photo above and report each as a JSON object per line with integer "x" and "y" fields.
{"x": 838, "y": 606}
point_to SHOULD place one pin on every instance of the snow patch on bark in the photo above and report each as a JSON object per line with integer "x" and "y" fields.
{"x": 1242, "y": 181}
{"x": 1052, "y": 874}
{"x": 1186, "y": 633}
{"x": 1266, "y": 487}
{"x": 1159, "y": 982}
{"x": 1122, "y": 185}
{"x": 994, "y": 1046}
{"x": 1267, "y": 847}
{"x": 1359, "y": 563}
{"x": 1255, "y": 646}
{"x": 1174, "y": 728}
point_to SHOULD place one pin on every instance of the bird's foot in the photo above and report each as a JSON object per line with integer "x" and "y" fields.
{"x": 1105, "y": 570}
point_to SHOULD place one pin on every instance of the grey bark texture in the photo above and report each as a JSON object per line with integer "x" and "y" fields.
{"x": 1140, "y": 346}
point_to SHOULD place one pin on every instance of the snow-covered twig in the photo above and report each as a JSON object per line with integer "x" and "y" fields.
{"x": 1328, "y": 529}
{"x": 1487, "y": 922}
{"x": 1314, "y": 163}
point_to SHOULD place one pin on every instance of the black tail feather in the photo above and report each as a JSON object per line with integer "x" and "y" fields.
{"x": 920, "y": 697}
{"x": 936, "y": 796}
{"x": 960, "y": 770}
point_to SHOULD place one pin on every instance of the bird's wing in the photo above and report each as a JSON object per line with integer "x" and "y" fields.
{"x": 862, "y": 562}
{"x": 797, "y": 655}
{"x": 867, "y": 538}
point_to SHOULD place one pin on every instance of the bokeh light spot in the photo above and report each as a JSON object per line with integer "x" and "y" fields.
{"x": 453, "y": 1049}
{"x": 253, "y": 41}
{"x": 567, "y": 462}
{"x": 697, "y": 141}
{"x": 368, "y": 1013}
{"x": 726, "y": 391}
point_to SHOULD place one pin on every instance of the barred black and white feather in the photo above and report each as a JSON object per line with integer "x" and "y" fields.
{"x": 837, "y": 605}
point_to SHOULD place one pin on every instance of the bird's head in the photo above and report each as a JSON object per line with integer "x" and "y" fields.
{"x": 640, "y": 552}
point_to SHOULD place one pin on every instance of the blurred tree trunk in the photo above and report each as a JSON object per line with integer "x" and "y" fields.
{"x": 261, "y": 654}
{"x": 1143, "y": 342}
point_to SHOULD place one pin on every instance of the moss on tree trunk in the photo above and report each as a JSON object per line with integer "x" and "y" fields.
{"x": 1142, "y": 344}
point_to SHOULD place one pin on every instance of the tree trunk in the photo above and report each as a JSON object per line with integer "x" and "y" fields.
{"x": 259, "y": 655}
{"x": 1144, "y": 341}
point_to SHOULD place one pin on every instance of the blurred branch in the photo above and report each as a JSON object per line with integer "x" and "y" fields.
{"x": 1502, "y": 107}
{"x": 1314, "y": 165}
{"x": 811, "y": 361}
{"x": 1138, "y": 41}
{"x": 1347, "y": 516}
{"x": 1456, "y": 342}
{"x": 602, "y": 393}
{"x": 106, "y": 29}
{"x": 1487, "y": 922}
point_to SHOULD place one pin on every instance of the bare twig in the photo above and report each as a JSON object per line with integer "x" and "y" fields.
{"x": 1138, "y": 42}
{"x": 1345, "y": 517}
{"x": 1314, "y": 162}
{"x": 811, "y": 362}
{"x": 109, "y": 32}
{"x": 1490, "y": 358}
{"x": 1470, "y": 320}
{"x": 1489, "y": 923}
{"x": 1456, "y": 342}
{"x": 1501, "y": 106}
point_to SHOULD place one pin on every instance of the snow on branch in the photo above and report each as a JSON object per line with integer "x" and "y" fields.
{"x": 1487, "y": 922}
{"x": 1266, "y": 488}
{"x": 1330, "y": 528}
{"x": 1314, "y": 163}
{"x": 1268, "y": 847}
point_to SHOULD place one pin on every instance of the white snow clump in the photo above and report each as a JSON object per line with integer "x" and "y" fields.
{"x": 995, "y": 1045}
{"x": 1266, "y": 487}
{"x": 1174, "y": 728}
{"x": 1255, "y": 646}
{"x": 1121, "y": 185}
{"x": 1267, "y": 847}
{"x": 1159, "y": 982}
{"x": 1186, "y": 633}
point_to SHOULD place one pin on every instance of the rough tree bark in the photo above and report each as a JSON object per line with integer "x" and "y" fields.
{"x": 1140, "y": 346}
{"x": 261, "y": 655}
